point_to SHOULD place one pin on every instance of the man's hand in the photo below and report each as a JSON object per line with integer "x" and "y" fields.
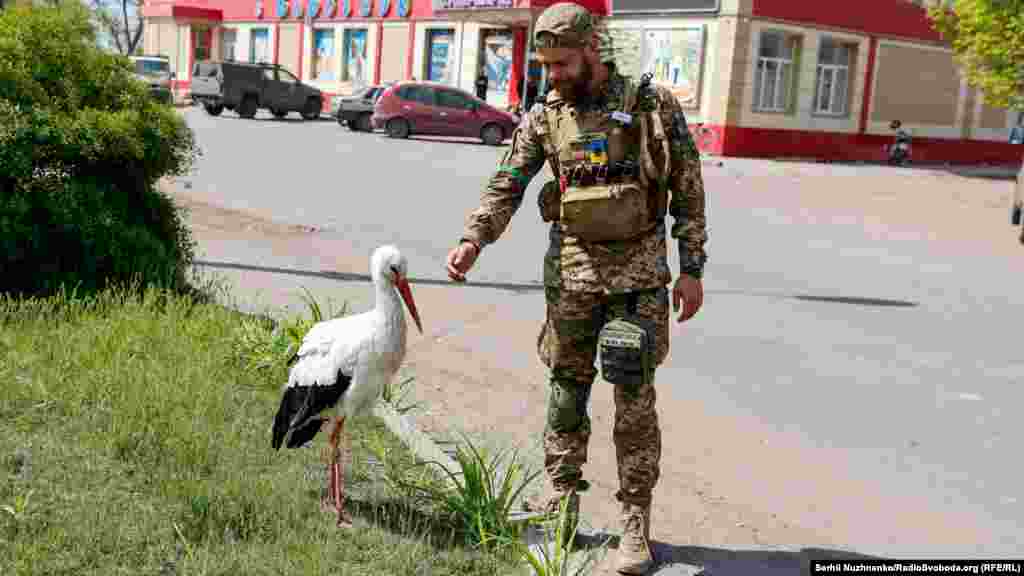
{"x": 460, "y": 260}
{"x": 691, "y": 291}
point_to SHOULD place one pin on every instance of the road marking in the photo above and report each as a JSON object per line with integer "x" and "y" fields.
{"x": 969, "y": 396}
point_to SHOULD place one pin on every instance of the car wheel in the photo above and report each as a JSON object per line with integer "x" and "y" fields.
{"x": 398, "y": 128}
{"x": 311, "y": 111}
{"x": 365, "y": 122}
{"x": 213, "y": 109}
{"x": 341, "y": 119}
{"x": 492, "y": 135}
{"x": 247, "y": 109}
{"x": 279, "y": 113}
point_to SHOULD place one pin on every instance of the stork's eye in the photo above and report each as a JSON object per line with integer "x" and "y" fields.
{"x": 394, "y": 269}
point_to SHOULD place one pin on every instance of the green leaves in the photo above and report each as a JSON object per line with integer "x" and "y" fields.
{"x": 988, "y": 39}
{"x": 82, "y": 147}
{"x": 483, "y": 492}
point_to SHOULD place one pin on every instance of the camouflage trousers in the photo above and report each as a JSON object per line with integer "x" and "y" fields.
{"x": 568, "y": 345}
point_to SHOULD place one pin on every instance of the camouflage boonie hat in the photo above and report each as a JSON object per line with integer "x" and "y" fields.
{"x": 564, "y": 25}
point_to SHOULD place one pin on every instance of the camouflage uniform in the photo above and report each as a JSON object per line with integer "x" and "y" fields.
{"x": 588, "y": 284}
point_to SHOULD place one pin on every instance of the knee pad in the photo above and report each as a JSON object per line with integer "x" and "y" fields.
{"x": 567, "y": 408}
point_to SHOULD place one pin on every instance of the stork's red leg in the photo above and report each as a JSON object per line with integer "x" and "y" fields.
{"x": 337, "y": 474}
{"x": 330, "y": 455}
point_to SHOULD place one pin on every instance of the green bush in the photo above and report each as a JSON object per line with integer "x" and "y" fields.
{"x": 82, "y": 147}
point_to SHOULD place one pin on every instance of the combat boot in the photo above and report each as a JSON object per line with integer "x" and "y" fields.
{"x": 635, "y": 556}
{"x": 550, "y": 505}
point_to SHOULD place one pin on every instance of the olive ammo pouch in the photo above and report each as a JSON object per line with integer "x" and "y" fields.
{"x": 626, "y": 345}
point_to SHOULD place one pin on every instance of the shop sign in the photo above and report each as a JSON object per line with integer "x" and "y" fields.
{"x": 346, "y": 8}
{"x": 313, "y": 9}
{"x": 296, "y": 8}
{"x": 382, "y": 7}
{"x": 281, "y": 8}
{"x": 329, "y": 7}
{"x": 364, "y": 8}
{"x": 403, "y": 8}
{"x": 655, "y": 6}
{"x": 472, "y": 4}
{"x": 259, "y": 8}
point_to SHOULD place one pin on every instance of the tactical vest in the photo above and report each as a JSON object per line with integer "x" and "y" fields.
{"x": 610, "y": 187}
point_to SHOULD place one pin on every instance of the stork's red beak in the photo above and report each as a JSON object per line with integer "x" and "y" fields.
{"x": 403, "y": 288}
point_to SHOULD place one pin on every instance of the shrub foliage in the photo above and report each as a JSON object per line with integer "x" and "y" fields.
{"x": 82, "y": 147}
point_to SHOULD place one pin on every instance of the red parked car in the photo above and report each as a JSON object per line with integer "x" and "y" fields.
{"x": 440, "y": 110}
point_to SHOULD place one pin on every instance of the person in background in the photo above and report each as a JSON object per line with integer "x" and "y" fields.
{"x": 481, "y": 84}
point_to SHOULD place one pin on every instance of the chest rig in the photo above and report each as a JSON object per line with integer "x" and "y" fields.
{"x": 610, "y": 186}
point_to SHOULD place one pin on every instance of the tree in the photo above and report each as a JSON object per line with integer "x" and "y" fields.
{"x": 987, "y": 37}
{"x": 120, "y": 19}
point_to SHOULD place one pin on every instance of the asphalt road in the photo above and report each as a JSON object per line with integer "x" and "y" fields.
{"x": 878, "y": 341}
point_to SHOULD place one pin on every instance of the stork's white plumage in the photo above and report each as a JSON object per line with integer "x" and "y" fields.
{"x": 343, "y": 363}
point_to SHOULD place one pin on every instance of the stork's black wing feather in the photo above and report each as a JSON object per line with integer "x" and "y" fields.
{"x": 300, "y": 406}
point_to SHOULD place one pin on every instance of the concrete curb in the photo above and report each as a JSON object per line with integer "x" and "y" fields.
{"x": 422, "y": 446}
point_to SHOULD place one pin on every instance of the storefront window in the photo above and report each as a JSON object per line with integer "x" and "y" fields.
{"x": 496, "y": 62}
{"x": 441, "y": 53}
{"x": 773, "y": 77}
{"x": 325, "y": 57}
{"x": 259, "y": 47}
{"x": 353, "y": 67}
{"x": 228, "y": 38}
{"x": 833, "y": 78}
{"x": 673, "y": 58}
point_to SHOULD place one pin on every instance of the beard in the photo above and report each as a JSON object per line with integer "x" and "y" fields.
{"x": 576, "y": 89}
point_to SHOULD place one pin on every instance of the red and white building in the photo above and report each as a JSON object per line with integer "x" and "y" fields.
{"x": 772, "y": 78}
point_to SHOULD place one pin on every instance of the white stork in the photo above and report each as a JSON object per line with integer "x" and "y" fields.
{"x": 342, "y": 365}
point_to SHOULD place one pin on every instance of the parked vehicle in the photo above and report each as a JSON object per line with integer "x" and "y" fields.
{"x": 245, "y": 88}
{"x": 357, "y": 110}
{"x": 155, "y": 71}
{"x": 437, "y": 109}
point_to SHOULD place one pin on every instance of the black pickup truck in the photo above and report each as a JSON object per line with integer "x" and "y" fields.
{"x": 245, "y": 88}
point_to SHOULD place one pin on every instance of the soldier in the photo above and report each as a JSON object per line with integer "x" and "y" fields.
{"x": 616, "y": 149}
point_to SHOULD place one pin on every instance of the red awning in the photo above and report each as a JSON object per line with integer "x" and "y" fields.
{"x": 199, "y": 9}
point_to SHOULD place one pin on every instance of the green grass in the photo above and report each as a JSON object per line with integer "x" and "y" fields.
{"x": 135, "y": 439}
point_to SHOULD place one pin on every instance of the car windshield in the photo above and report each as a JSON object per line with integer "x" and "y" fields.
{"x": 152, "y": 67}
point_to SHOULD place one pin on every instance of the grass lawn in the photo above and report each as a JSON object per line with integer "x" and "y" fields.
{"x": 135, "y": 440}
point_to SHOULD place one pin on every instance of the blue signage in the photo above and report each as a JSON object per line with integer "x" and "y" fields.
{"x": 313, "y": 7}
{"x": 329, "y": 8}
{"x": 382, "y": 7}
{"x": 403, "y": 7}
{"x": 364, "y": 8}
{"x": 346, "y": 8}
{"x": 281, "y": 10}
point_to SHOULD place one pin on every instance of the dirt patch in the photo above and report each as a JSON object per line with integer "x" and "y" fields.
{"x": 206, "y": 217}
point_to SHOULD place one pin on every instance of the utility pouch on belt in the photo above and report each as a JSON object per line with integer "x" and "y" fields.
{"x": 1015, "y": 215}
{"x": 627, "y": 349}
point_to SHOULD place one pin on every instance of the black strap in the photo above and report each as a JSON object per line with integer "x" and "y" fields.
{"x": 631, "y": 301}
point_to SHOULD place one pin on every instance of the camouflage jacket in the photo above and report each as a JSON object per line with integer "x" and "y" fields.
{"x": 610, "y": 267}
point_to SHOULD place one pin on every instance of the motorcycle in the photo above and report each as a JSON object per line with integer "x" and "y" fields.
{"x": 898, "y": 153}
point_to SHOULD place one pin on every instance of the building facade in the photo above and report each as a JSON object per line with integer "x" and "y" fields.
{"x": 341, "y": 45}
{"x": 811, "y": 79}
{"x": 770, "y": 78}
